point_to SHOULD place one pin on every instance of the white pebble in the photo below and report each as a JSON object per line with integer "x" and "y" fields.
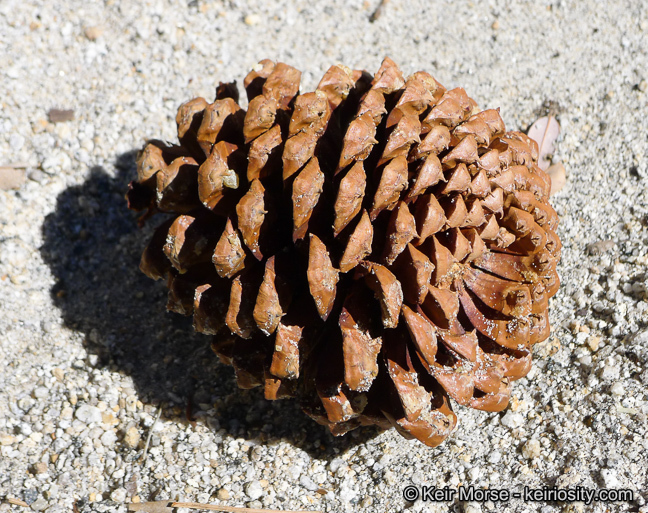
{"x": 88, "y": 414}
{"x": 307, "y": 483}
{"x": 531, "y": 449}
{"x": 41, "y": 392}
{"x": 581, "y": 338}
{"x": 132, "y": 437}
{"x": 617, "y": 389}
{"x": 25, "y": 429}
{"x": 252, "y": 19}
{"x": 118, "y": 495}
{"x": 512, "y": 420}
{"x": 16, "y": 141}
{"x": 495, "y": 457}
{"x": 335, "y": 464}
{"x": 56, "y": 163}
{"x": 253, "y": 490}
{"x": 610, "y": 478}
{"x": 109, "y": 438}
{"x": 610, "y": 372}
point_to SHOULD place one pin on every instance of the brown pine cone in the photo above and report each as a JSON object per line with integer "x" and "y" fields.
{"x": 375, "y": 248}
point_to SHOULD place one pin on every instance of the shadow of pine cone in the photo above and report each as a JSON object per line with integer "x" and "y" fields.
{"x": 93, "y": 246}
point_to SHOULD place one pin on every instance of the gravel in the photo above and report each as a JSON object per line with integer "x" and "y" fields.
{"x": 90, "y": 358}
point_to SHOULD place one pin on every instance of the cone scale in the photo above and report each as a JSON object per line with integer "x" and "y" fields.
{"x": 379, "y": 248}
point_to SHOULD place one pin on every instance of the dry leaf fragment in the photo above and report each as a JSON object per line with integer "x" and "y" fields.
{"x": 558, "y": 177}
{"x": 545, "y": 131}
{"x": 60, "y": 115}
{"x": 11, "y": 178}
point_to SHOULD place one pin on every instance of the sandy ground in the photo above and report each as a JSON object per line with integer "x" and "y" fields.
{"x": 89, "y": 357}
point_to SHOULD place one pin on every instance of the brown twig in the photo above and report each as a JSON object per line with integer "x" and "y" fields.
{"x": 144, "y": 456}
{"x": 379, "y": 10}
{"x": 167, "y": 506}
{"x": 232, "y": 509}
{"x": 16, "y": 165}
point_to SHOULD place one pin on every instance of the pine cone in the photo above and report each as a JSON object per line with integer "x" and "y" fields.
{"x": 374, "y": 248}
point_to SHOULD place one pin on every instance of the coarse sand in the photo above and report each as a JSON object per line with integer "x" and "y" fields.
{"x": 90, "y": 358}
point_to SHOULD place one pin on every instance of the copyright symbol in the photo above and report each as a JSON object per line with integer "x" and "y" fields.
{"x": 411, "y": 493}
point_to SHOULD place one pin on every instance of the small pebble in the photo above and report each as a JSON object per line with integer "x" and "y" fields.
{"x": 39, "y": 504}
{"x": 593, "y": 343}
{"x": 88, "y": 414}
{"x": 609, "y": 372}
{"x": 253, "y": 490}
{"x": 610, "y": 478}
{"x": 11, "y": 178}
{"x": 531, "y": 449}
{"x": 30, "y": 495}
{"x": 600, "y": 247}
{"x": 512, "y": 420}
{"x": 118, "y": 495}
{"x": 6, "y": 439}
{"x": 109, "y": 438}
{"x": 494, "y": 457}
{"x": 617, "y": 389}
{"x": 39, "y": 468}
{"x": 93, "y": 33}
{"x": 474, "y": 474}
{"x": 132, "y": 437}
{"x": 36, "y": 175}
{"x": 252, "y": 19}
{"x": 55, "y": 163}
